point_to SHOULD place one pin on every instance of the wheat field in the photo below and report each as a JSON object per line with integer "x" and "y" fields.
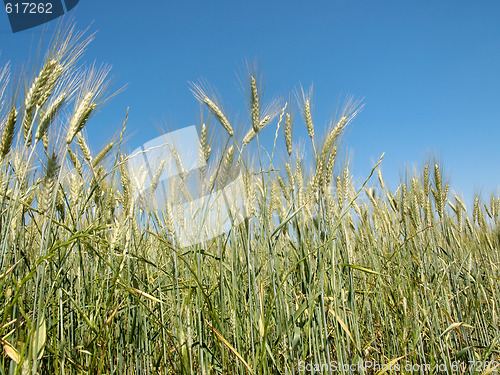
{"x": 320, "y": 271}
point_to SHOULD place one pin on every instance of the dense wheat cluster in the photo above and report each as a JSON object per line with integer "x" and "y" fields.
{"x": 319, "y": 270}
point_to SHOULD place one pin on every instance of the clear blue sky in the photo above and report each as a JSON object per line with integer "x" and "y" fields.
{"x": 429, "y": 72}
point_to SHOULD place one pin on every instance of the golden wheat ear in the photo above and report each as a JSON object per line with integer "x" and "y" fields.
{"x": 8, "y": 133}
{"x": 200, "y": 94}
{"x": 289, "y": 133}
{"x": 48, "y": 116}
{"x": 255, "y": 109}
{"x": 307, "y": 111}
{"x": 80, "y": 116}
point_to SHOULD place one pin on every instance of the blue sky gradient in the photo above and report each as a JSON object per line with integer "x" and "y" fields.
{"x": 428, "y": 72}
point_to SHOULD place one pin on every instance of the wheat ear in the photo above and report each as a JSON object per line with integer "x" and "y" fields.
{"x": 50, "y": 84}
{"x": 178, "y": 163}
{"x": 330, "y": 165}
{"x": 101, "y": 155}
{"x": 33, "y": 96}
{"x": 126, "y": 185}
{"x": 156, "y": 177}
{"x": 249, "y": 136}
{"x": 75, "y": 161}
{"x": 255, "y": 109}
{"x": 327, "y": 147}
{"x": 49, "y": 185}
{"x": 226, "y": 166}
{"x": 288, "y": 133}
{"x": 8, "y": 133}
{"x": 84, "y": 147}
{"x": 81, "y": 116}
{"x": 306, "y": 111}
{"x": 49, "y": 116}
{"x": 217, "y": 112}
{"x": 205, "y": 147}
